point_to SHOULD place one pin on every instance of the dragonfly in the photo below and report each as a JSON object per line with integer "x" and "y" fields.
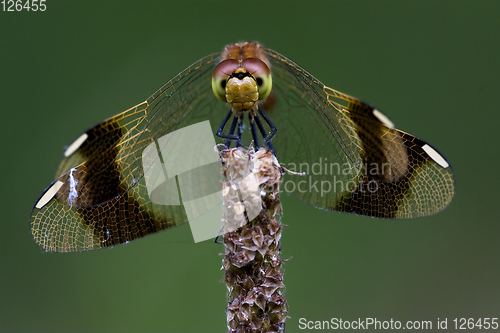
{"x": 354, "y": 159}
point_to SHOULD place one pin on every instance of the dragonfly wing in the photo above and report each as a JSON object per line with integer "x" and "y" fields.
{"x": 101, "y": 197}
{"x": 355, "y": 160}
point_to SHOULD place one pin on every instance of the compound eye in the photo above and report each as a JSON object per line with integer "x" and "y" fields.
{"x": 219, "y": 88}
{"x": 262, "y": 75}
{"x": 265, "y": 84}
{"x": 219, "y": 78}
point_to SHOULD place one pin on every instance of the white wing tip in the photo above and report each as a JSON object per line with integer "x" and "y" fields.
{"x": 383, "y": 118}
{"x": 436, "y": 157}
{"x": 75, "y": 144}
{"x": 48, "y": 195}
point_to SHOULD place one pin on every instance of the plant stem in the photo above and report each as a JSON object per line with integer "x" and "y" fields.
{"x": 252, "y": 263}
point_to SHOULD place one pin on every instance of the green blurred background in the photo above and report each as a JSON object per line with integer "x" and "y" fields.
{"x": 433, "y": 67}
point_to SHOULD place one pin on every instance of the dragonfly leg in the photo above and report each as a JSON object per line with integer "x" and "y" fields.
{"x": 251, "y": 118}
{"x": 266, "y": 137}
{"x": 271, "y": 125}
{"x": 240, "y": 130}
{"x": 224, "y": 122}
{"x": 216, "y": 240}
{"x": 229, "y": 136}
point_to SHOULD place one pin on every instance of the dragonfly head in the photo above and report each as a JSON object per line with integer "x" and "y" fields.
{"x": 241, "y": 83}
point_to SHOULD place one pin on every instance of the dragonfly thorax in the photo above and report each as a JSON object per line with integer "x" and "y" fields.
{"x": 241, "y": 90}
